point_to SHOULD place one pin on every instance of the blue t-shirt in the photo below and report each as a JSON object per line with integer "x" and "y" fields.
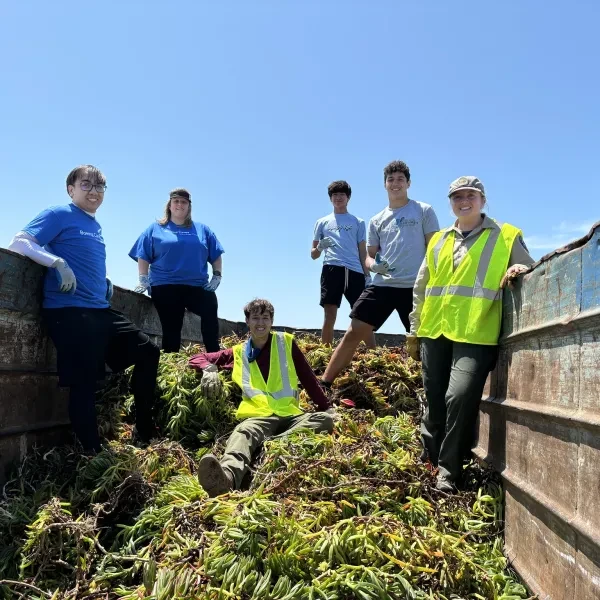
{"x": 69, "y": 232}
{"x": 177, "y": 254}
{"x": 347, "y": 231}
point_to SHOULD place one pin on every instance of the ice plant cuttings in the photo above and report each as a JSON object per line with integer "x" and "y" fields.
{"x": 351, "y": 515}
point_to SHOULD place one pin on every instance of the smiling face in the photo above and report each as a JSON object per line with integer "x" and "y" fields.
{"x": 259, "y": 324}
{"x": 396, "y": 185}
{"x": 180, "y": 208}
{"x": 87, "y": 192}
{"x": 467, "y": 203}
{"x": 340, "y": 201}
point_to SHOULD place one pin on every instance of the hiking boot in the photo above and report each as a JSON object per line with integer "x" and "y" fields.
{"x": 213, "y": 477}
{"x": 444, "y": 484}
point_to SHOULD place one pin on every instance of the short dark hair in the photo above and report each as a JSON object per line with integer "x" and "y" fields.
{"x": 260, "y": 306}
{"x": 339, "y": 187}
{"x": 180, "y": 193}
{"x": 396, "y": 166}
{"x": 94, "y": 173}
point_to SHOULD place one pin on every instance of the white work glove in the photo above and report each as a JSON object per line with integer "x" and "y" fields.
{"x": 380, "y": 266}
{"x": 66, "y": 277}
{"x": 413, "y": 347}
{"x": 143, "y": 284}
{"x": 210, "y": 384}
{"x": 325, "y": 242}
{"x": 213, "y": 284}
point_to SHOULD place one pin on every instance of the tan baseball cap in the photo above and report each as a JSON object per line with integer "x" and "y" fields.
{"x": 466, "y": 182}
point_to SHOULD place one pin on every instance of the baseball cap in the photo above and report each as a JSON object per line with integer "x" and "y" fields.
{"x": 466, "y": 182}
{"x": 181, "y": 193}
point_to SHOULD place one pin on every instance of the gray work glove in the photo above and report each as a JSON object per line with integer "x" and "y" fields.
{"x": 325, "y": 242}
{"x": 213, "y": 284}
{"x": 211, "y": 384}
{"x": 380, "y": 266}
{"x": 143, "y": 284}
{"x": 66, "y": 278}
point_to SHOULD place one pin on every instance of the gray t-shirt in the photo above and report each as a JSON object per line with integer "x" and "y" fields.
{"x": 347, "y": 231}
{"x": 400, "y": 236}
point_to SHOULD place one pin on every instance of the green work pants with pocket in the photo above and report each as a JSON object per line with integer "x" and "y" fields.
{"x": 454, "y": 376}
{"x": 250, "y": 434}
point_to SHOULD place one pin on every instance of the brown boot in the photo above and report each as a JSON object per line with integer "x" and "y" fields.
{"x": 213, "y": 477}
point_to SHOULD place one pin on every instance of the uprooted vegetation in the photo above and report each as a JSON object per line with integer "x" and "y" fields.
{"x": 351, "y": 515}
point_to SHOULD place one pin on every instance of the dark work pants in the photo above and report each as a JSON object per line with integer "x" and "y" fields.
{"x": 454, "y": 376}
{"x": 172, "y": 300}
{"x": 87, "y": 339}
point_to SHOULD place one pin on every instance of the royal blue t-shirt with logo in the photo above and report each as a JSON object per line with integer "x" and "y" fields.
{"x": 177, "y": 254}
{"x": 72, "y": 234}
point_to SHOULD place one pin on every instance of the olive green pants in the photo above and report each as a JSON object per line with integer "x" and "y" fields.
{"x": 250, "y": 434}
{"x": 454, "y": 376}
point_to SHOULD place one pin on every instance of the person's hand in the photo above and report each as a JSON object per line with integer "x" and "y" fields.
{"x": 513, "y": 273}
{"x": 210, "y": 384}
{"x": 325, "y": 242}
{"x": 213, "y": 284}
{"x": 380, "y": 266}
{"x": 413, "y": 347}
{"x": 66, "y": 277}
{"x": 109, "y": 289}
{"x": 143, "y": 284}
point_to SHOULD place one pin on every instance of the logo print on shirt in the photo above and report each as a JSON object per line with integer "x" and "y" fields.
{"x": 96, "y": 236}
{"x": 340, "y": 228}
{"x": 404, "y": 222}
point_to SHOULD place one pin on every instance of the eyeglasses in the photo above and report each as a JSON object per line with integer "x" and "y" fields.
{"x": 88, "y": 186}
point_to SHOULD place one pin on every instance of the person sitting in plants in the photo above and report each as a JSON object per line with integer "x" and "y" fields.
{"x": 268, "y": 368}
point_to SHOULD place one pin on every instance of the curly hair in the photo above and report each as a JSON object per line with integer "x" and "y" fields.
{"x": 260, "y": 306}
{"x": 394, "y": 167}
{"x": 339, "y": 187}
{"x": 94, "y": 174}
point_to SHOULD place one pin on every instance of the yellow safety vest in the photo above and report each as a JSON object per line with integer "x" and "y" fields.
{"x": 465, "y": 305}
{"x": 279, "y": 395}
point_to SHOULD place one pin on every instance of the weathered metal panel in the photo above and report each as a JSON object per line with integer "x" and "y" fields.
{"x": 540, "y": 422}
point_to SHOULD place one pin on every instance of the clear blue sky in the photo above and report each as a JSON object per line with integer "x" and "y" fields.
{"x": 257, "y": 106}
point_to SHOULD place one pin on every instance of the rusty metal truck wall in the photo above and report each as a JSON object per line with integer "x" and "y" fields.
{"x": 33, "y": 409}
{"x": 540, "y": 425}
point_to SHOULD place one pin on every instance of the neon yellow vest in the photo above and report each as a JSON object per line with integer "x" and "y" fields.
{"x": 465, "y": 305}
{"x": 278, "y": 395}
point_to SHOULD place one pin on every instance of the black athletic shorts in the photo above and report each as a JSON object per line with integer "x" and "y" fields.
{"x": 87, "y": 339}
{"x": 377, "y": 303}
{"x": 340, "y": 281}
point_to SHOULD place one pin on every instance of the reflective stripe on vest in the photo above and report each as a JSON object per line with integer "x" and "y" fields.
{"x": 279, "y": 394}
{"x": 464, "y": 304}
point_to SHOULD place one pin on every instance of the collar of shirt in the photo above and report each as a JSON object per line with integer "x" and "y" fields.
{"x": 487, "y": 223}
{"x": 252, "y": 351}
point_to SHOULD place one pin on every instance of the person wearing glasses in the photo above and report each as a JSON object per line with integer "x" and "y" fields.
{"x": 76, "y": 310}
{"x": 173, "y": 256}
